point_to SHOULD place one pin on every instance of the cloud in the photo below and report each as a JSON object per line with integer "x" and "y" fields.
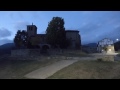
{"x": 43, "y": 32}
{"x": 3, "y": 41}
{"x": 4, "y": 33}
{"x": 87, "y": 12}
{"x": 21, "y": 25}
{"x": 16, "y": 14}
{"x": 92, "y": 35}
{"x": 88, "y": 28}
{"x": 97, "y": 25}
{"x": 117, "y": 26}
{"x": 89, "y": 32}
{"x": 35, "y": 14}
{"x": 113, "y": 34}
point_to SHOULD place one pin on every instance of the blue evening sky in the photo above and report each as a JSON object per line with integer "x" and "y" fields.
{"x": 93, "y": 25}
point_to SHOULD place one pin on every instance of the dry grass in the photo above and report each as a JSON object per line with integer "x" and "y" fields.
{"x": 89, "y": 70}
{"x": 16, "y": 69}
{"x": 75, "y": 54}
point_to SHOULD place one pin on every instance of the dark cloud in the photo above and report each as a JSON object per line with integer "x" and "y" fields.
{"x": 99, "y": 25}
{"x": 21, "y": 25}
{"x": 35, "y": 14}
{"x": 88, "y": 32}
{"x": 4, "y": 33}
{"x": 17, "y": 14}
{"x": 92, "y": 37}
{"x": 114, "y": 34}
{"x": 89, "y": 28}
{"x": 4, "y": 41}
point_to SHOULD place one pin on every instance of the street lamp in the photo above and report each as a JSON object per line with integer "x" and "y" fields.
{"x": 117, "y": 39}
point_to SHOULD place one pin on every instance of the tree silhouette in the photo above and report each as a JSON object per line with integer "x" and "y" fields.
{"x": 21, "y": 38}
{"x": 55, "y": 33}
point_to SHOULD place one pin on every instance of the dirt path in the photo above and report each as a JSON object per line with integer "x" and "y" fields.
{"x": 47, "y": 71}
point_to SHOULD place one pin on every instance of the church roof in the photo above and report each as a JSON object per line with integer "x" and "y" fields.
{"x": 71, "y": 30}
{"x": 41, "y": 35}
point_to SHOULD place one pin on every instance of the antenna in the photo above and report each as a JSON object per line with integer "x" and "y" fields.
{"x": 32, "y": 23}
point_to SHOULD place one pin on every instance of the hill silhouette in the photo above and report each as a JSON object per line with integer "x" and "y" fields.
{"x": 6, "y": 48}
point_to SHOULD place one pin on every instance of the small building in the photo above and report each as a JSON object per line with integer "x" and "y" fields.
{"x": 106, "y": 46}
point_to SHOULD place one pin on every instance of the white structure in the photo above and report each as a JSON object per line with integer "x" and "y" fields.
{"x": 106, "y": 43}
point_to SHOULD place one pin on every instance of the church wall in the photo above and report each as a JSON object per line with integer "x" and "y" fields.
{"x": 75, "y": 39}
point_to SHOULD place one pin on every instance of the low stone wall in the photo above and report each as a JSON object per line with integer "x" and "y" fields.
{"x": 62, "y": 51}
{"x": 32, "y": 52}
{"x": 37, "y": 54}
{"x": 54, "y": 51}
{"x": 25, "y": 52}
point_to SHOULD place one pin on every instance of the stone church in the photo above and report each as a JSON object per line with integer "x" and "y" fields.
{"x": 40, "y": 39}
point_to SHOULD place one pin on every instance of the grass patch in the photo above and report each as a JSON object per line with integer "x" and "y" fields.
{"x": 99, "y": 59}
{"x": 89, "y": 70}
{"x": 16, "y": 69}
{"x": 76, "y": 54}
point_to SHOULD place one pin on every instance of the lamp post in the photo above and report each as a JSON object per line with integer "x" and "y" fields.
{"x": 117, "y": 39}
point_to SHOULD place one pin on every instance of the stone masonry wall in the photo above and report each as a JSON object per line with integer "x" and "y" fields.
{"x": 25, "y": 52}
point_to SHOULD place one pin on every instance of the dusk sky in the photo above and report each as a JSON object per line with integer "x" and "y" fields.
{"x": 93, "y": 25}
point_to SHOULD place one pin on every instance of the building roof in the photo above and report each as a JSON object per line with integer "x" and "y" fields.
{"x": 41, "y": 35}
{"x": 71, "y": 30}
{"x": 30, "y": 25}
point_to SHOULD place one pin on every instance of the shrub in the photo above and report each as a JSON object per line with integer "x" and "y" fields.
{"x": 99, "y": 59}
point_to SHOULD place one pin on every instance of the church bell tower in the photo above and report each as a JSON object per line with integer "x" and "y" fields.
{"x": 32, "y": 30}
